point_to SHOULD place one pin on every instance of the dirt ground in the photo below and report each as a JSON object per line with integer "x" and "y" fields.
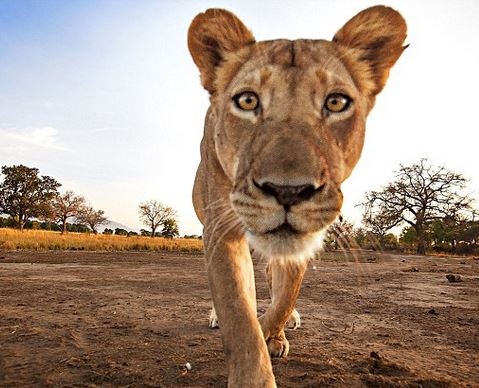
{"x": 80, "y": 319}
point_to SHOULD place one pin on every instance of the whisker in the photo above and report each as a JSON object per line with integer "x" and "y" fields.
{"x": 221, "y": 220}
{"x": 220, "y": 203}
{"x": 228, "y": 229}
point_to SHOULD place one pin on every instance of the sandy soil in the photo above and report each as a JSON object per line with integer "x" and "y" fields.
{"x": 135, "y": 319}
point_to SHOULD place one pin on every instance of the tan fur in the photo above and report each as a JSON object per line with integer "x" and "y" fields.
{"x": 271, "y": 178}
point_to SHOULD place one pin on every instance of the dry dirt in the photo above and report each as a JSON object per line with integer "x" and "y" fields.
{"x": 135, "y": 319}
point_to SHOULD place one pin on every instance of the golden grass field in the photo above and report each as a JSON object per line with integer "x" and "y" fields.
{"x": 11, "y": 239}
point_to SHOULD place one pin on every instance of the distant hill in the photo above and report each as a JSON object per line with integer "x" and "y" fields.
{"x": 113, "y": 225}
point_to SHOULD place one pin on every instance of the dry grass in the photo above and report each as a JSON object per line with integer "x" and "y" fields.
{"x": 11, "y": 239}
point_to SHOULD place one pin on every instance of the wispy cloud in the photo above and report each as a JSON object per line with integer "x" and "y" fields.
{"x": 31, "y": 138}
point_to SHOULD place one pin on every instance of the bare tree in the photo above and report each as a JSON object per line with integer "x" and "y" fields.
{"x": 91, "y": 217}
{"x": 67, "y": 206}
{"x": 153, "y": 214}
{"x": 419, "y": 194}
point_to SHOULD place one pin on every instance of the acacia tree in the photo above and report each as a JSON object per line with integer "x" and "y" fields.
{"x": 25, "y": 194}
{"x": 170, "y": 228}
{"x": 91, "y": 217}
{"x": 419, "y": 194}
{"x": 67, "y": 206}
{"x": 448, "y": 233}
{"x": 153, "y": 214}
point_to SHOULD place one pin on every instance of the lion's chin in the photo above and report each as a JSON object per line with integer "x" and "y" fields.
{"x": 283, "y": 245}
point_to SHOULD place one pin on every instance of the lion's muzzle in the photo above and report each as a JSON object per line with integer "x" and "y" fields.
{"x": 288, "y": 195}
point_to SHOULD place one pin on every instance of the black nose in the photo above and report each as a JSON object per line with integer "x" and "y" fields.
{"x": 288, "y": 195}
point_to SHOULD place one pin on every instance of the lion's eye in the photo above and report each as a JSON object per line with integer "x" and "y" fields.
{"x": 337, "y": 102}
{"x": 246, "y": 101}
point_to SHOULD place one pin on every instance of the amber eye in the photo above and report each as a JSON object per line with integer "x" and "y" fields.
{"x": 337, "y": 102}
{"x": 246, "y": 101}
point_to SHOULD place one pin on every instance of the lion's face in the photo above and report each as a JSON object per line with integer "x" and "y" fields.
{"x": 287, "y": 119}
{"x": 289, "y": 129}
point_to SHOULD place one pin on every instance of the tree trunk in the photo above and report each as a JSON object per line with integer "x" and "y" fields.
{"x": 421, "y": 246}
{"x": 22, "y": 220}
{"x": 153, "y": 229}
{"x": 64, "y": 225}
{"x": 421, "y": 239}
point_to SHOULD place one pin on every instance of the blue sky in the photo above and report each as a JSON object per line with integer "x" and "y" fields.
{"x": 103, "y": 96}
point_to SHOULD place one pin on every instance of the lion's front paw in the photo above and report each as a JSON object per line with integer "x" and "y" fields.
{"x": 213, "y": 320}
{"x": 294, "y": 320}
{"x": 278, "y": 347}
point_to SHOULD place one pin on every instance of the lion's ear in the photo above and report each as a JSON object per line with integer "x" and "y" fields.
{"x": 374, "y": 37}
{"x": 211, "y": 35}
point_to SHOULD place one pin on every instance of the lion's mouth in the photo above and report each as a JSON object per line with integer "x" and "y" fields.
{"x": 286, "y": 241}
{"x": 284, "y": 229}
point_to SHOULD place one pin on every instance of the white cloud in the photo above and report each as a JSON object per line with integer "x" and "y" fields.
{"x": 30, "y": 139}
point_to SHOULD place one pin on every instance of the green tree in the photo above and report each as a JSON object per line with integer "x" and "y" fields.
{"x": 470, "y": 233}
{"x": 121, "y": 232}
{"x": 7, "y": 222}
{"x": 78, "y": 228}
{"x": 408, "y": 237}
{"x": 170, "y": 228}
{"x": 448, "y": 234}
{"x": 443, "y": 232}
{"x": 25, "y": 194}
{"x": 360, "y": 235}
{"x": 389, "y": 242}
{"x": 419, "y": 194}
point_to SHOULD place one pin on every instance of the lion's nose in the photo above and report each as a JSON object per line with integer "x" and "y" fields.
{"x": 288, "y": 195}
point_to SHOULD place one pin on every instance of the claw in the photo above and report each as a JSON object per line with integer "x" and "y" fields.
{"x": 213, "y": 320}
{"x": 278, "y": 347}
{"x": 294, "y": 320}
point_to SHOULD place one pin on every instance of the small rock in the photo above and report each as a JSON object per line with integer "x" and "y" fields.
{"x": 413, "y": 269}
{"x": 453, "y": 278}
{"x": 433, "y": 312}
{"x": 188, "y": 366}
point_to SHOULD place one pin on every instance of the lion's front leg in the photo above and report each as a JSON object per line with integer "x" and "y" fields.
{"x": 294, "y": 320}
{"x": 284, "y": 280}
{"x": 231, "y": 279}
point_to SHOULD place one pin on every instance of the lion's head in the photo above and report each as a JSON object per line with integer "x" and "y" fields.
{"x": 287, "y": 119}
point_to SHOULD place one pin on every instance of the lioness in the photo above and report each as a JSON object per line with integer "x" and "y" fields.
{"x": 284, "y": 129}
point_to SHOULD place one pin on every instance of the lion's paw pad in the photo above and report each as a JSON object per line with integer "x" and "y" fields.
{"x": 278, "y": 347}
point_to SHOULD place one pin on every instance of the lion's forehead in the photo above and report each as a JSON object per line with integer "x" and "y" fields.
{"x": 291, "y": 66}
{"x": 293, "y": 53}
